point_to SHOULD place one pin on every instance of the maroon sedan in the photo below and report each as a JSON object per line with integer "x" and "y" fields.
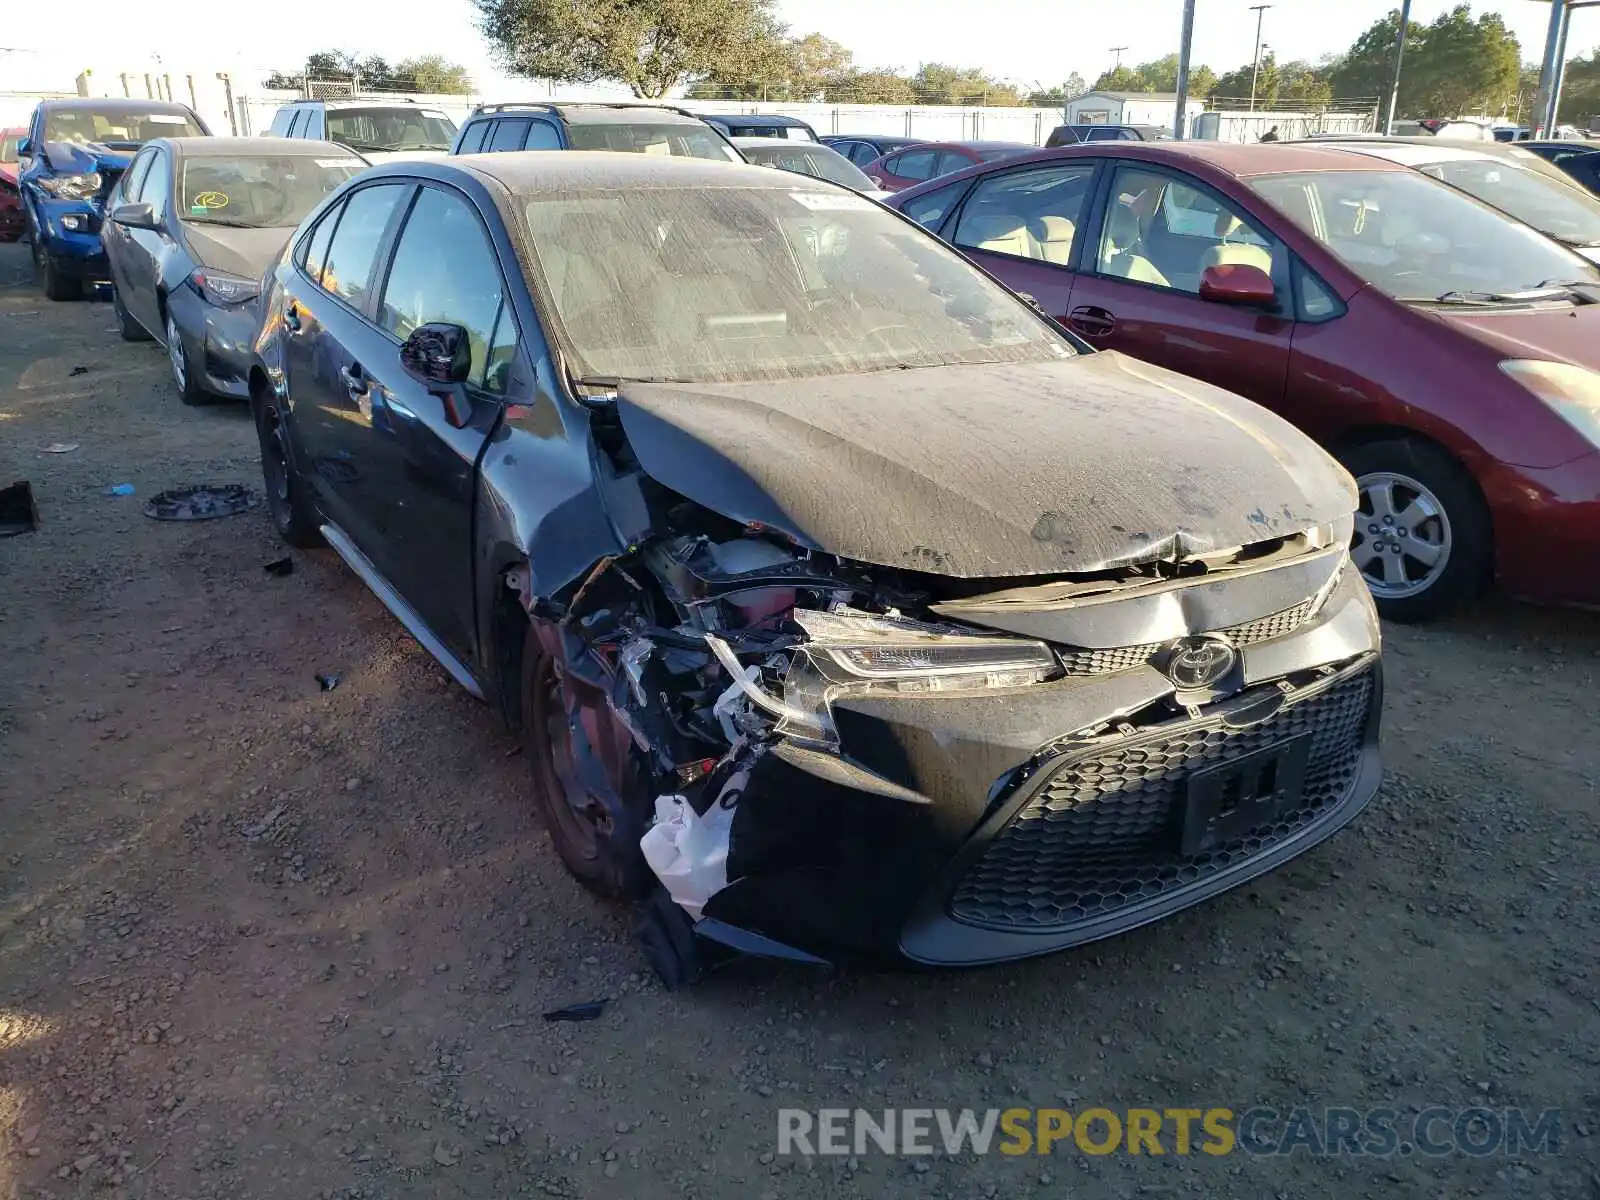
{"x": 11, "y": 219}
{"x": 1449, "y": 355}
{"x": 916, "y": 164}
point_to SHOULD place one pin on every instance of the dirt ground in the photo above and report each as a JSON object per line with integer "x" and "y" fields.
{"x": 258, "y": 939}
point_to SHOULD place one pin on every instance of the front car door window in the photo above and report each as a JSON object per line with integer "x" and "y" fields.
{"x": 930, "y": 210}
{"x": 1027, "y": 214}
{"x": 133, "y": 181}
{"x": 347, "y": 271}
{"x": 472, "y": 139}
{"x": 951, "y": 161}
{"x": 460, "y": 288}
{"x": 157, "y": 185}
{"x": 1162, "y": 231}
{"x": 314, "y": 250}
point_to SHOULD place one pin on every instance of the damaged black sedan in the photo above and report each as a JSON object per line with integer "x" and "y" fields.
{"x": 843, "y": 603}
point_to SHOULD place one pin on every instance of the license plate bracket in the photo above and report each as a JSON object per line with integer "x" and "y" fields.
{"x": 1228, "y": 800}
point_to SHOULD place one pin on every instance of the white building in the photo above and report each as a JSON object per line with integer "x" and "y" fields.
{"x": 1129, "y": 108}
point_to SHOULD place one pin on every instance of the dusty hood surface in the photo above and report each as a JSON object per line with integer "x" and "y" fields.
{"x": 243, "y": 252}
{"x": 1010, "y": 469}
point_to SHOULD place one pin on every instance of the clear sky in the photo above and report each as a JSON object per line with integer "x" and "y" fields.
{"x": 1024, "y": 41}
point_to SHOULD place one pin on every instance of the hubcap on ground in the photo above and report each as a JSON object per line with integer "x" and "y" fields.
{"x": 1402, "y": 539}
{"x": 175, "y": 353}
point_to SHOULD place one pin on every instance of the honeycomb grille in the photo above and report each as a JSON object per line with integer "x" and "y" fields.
{"x": 1103, "y": 832}
{"x": 1125, "y": 658}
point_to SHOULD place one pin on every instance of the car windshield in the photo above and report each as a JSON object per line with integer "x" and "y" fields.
{"x": 270, "y": 191}
{"x": 679, "y": 141}
{"x": 741, "y": 283}
{"x": 383, "y": 129}
{"x": 115, "y": 126}
{"x": 1418, "y": 240}
{"x": 815, "y": 160}
{"x": 1550, "y": 206}
{"x": 8, "y": 147}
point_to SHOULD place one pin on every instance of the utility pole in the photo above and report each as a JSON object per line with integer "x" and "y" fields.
{"x": 1399, "y": 60}
{"x": 1550, "y": 73}
{"x": 1180, "y": 114}
{"x": 1260, "y": 11}
{"x": 1117, "y": 50}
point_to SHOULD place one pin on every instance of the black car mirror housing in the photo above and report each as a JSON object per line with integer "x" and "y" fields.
{"x": 134, "y": 216}
{"x": 437, "y": 354}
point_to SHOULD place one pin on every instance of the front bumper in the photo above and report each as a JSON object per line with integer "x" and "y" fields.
{"x": 981, "y": 828}
{"x": 76, "y": 251}
{"x": 219, "y": 341}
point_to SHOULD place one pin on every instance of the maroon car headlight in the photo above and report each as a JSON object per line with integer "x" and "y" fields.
{"x": 224, "y": 291}
{"x": 1571, "y": 392}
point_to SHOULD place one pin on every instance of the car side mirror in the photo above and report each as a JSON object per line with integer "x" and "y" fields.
{"x": 438, "y": 355}
{"x": 134, "y": 216}
{"x": 1238, "y": 283}
{"x": 24, "y": 146}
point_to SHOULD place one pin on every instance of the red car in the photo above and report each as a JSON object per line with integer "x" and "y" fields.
{"x": 911, "y": 165}
{"x": 1447, "y": 354}
{"x": 11, "y": 219}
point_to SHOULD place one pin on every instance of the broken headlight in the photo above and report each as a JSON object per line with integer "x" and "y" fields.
{"x": 926, "y": 657}
{"x": 71, "y": 187}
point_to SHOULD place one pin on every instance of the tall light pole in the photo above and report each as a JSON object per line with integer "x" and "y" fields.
{"x": 1399, "y": 59}
{"x": 1180, "y": 113}
{"x": 1117, "y": 50}
{"x": 1260, "y": 11}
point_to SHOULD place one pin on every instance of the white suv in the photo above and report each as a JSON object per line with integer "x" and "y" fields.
{"x": 378, "y": 129}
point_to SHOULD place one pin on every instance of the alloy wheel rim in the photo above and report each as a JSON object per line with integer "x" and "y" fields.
{"x": 1402, "y": 539}
{"x": 175, "y": 353}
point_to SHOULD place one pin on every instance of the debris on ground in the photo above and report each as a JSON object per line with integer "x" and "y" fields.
{"x": 589, "y": 1010}
{"x": 327, "y": 682}
{"x": 18, "y": 512}
{"x": 78, "y": 371}
{"x": 279, "y": 567}
{"x": 202, "y": 502}
{"x": 120, "y": 489}
{"x": 58, "y": 448}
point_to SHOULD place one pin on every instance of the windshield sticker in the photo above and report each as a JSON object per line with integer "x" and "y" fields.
{"x": 207, "y": 201}
{"x": 830, "y": 202}
{"x": 165, "y": 119}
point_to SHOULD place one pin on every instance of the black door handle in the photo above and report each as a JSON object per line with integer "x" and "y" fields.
{"x": 354, "y": 381}
{"x": 1093, "y": 321}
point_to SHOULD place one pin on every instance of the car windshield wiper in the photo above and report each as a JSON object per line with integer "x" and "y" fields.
{"x": 612, "y": 382}
{"x": 365, "y": 146}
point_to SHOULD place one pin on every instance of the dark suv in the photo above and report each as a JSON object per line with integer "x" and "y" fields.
{"x": 1071, "y": 135}
{"x": 639, "y": 128}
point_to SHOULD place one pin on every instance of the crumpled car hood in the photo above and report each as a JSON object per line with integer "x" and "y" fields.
{"x": 79, "y": 158}
{"x": 1076, "y": 465}
{"x": 243, "y": 252}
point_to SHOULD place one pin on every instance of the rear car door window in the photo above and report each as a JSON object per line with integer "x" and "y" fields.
{"x": 542, "y": 136}
{"x": 913, "y": 164}
{"x": 1164, "y": 230}
{"x": 462, "y": 288}
{"x": 347, "y": 272}
{"x": 930, "y": 210}
{"x": 509, "y": 134}
{"x": 1028, "y": 214}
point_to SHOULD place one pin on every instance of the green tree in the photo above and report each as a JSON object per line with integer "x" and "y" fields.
{"x": 1121, "y": 79}
{"x": 792, "y": 69}
{"x": 1233, "y": 89}
{"x": 1300, "y": 83}
{"x": 432, "y": 74}
{"x": 937, "y": 83}
{"x": 651, "y": 46}
{"x": 868, "y": 87}
{"x": 1057, "y": 96}
{"x": 1366, "y": 71}
{"x": 1462, "y": 66}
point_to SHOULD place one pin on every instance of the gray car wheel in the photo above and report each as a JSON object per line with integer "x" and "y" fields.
{"x": 183, "y": 372}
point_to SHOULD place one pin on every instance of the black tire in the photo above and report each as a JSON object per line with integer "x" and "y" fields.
{"x": 596, "y": 835}
{"x": 130, "y": 329}
{"x": 184, "y": 377}
{"x": 1468, "y": 565}
{"x": 57, "y": 285}
{"x": 665, "y": 935}
{"x": 293, "y": 515}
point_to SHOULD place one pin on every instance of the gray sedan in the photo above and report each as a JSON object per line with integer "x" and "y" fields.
{"x": 192, "y": 226}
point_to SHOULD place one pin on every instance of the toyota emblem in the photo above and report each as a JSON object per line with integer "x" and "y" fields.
{"x": 1200, "y": 662}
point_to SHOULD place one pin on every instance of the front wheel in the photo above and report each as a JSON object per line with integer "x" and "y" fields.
{"x": 127, "y": 327}
{"x": 1423, "y": 538}
{"x": 292, "y": 513}
{"x": 57, "y": 284}
{"x": 183, "y": 372}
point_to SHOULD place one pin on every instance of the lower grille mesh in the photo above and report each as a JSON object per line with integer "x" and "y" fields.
{"x": 1103, "y": 831}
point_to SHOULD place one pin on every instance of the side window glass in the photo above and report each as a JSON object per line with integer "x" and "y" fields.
{"x": 351, "y": 254}
{"x": 280, "y": 122}
{"x": 1162, "y": 231}
{"x": 297, "y": 121}
{"x": 157, "y": 183}
{"x": 1028, "y": 214}
{"x": 950, "y": 162}
{"x": 502, "y": 352}
{"x": 134, "y": 179}
{"x": 914, "y": 164}
{"x": 314, "y": 250}
{"x": 931, "y": 209}
{"x": 472, "y": 139}
{"x": 508, "y": 135}
{"x": 1317, "y": 301}
{"x": 542, "y": 136}
{"x": 462, "y": 287}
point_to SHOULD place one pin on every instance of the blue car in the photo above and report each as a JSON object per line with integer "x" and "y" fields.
{"x": 73, "y": 155}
